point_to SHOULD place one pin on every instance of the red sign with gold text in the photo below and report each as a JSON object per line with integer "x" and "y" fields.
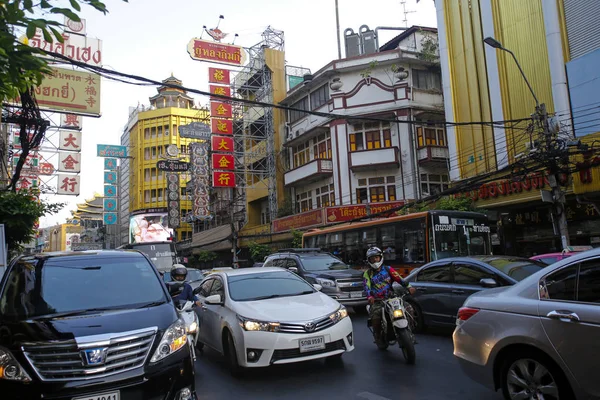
{"x": 220, "y": 90}
{"x": 303, "y": 220}
{"x": 219, "y": 75}
{"x": 222, "y": 143}
{"x": 204, "y": 50}
{"x": 223, "y": 161}
{"x": 223, "y": 179}
{"x": 348, "y": 213}
{"x": 220, "y": 110}
{"x": 222, "y": 126}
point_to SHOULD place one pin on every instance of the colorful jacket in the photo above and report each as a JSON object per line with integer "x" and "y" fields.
{"x": 378, "y": 284}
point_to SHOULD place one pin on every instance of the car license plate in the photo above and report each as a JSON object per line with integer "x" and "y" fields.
{"x": 103, "y": 396}
{"x": 356, "y": 294}
{"x": 312, "y": 344}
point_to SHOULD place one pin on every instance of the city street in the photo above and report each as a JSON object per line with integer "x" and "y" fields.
{"x": 365, "y": 373}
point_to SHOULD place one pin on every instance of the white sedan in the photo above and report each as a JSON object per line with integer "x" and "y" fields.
{"x": 258, "y": 317}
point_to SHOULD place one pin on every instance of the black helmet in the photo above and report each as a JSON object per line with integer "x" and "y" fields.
{"x": 178, "y": 270}
{"x": 375, "y": 251}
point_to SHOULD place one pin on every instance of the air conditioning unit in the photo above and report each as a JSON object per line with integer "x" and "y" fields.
{"x": 299, "y": 132}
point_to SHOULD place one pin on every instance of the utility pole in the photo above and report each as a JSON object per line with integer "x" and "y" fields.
{"x": 337, "y": 24}
{"x": 234, "y": 233}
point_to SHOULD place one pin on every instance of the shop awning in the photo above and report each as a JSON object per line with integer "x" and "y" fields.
{"x": 214, "y": 239}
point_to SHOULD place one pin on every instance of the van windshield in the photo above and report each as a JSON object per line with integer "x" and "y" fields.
{"x": 63, "y": 285}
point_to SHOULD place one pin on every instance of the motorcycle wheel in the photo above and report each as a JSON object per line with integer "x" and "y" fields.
{"x": 406, "y": 344}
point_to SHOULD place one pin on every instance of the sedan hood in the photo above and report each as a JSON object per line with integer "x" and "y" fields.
{"x": 287, "y": 309}
{"x": 337, "y": 274}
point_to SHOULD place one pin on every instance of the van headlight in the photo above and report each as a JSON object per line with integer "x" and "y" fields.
{"x": 172, "y": 340}
{"x": 10, "y": 369}
{"x": 339, "y": 315}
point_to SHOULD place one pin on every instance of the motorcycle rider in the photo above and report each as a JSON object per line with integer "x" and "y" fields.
{"x": 179, "y": 274}
{"x": 377, "y": 283}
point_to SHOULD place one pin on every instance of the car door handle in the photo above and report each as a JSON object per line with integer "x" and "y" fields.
{"x": 458, "y": 291}
{"x": 421, "y": 289}
{"x": 563, "y": 314}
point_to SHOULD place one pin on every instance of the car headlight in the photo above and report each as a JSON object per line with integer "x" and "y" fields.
{"x": 10, "y": 369}
{"x": 325, "y": 282}
{"x": 398, "y": 313}
{"x": 173, "y": 339}
{"x": 193, "y": 327}
{"x": 252, "y": 325}
{"x": 339, "y": 315}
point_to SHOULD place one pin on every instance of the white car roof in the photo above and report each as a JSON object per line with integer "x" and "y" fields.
{"x": 248, "y": 271}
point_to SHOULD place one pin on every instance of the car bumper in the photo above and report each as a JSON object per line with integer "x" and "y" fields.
{"x": 472, "y": 353}
{"x": 162, "y": 381}
{"x": 346, "y": 300}
{"x": 283, "y": 348}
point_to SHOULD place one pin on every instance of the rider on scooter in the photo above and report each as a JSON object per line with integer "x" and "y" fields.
{"x": 179, "y": 274}
{"x": 377, "y": 282}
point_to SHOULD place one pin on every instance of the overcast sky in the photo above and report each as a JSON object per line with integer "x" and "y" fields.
{"x": 150, "y": 37}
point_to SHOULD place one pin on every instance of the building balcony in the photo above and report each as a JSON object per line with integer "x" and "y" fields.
{"x": 312, "y": 171}
{"x": 374, "y": 158}
{"x": 433, "y": 154}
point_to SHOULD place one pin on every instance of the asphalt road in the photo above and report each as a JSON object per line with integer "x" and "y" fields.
{"x": 365, "y": 374}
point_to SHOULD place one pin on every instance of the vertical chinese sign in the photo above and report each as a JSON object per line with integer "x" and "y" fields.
{"x": 69, "y": 161}
{"x": 111, "y": 154}
{"x": 222, "y": 144}
{"x": 173, "y": 198}
{"x": 200, "y": 179}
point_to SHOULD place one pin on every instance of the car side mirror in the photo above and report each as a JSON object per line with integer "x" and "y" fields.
{"x": 488, "y": 283}
{"x": 214, "y": 299}
{"x": 293, "y": 269}
{"x": 175, "y": 288}
{"x": 318, "y": 287}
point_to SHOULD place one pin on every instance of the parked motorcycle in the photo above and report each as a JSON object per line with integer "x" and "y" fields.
{"x": 395, "y": 326}
{"x": 186, "y": 312}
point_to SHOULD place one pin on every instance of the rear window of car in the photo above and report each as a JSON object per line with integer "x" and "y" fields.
{"x": 68, "y": 284}
{"x": 517, "y": 268}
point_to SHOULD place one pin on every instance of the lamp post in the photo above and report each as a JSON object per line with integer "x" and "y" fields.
{"x": 559, "y": 218}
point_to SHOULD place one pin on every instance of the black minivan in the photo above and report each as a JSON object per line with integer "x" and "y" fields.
{"x": 91, "y": 325}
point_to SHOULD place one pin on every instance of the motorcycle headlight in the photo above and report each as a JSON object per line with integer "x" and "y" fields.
{"x": 193, "y": 327}
{"x": 252, "y": 325}
{"x": 398, "y": 313}
{"x": 339, "y": 315}
{"x": 325, "y": 282}
{"x": 10, "y": 369}
{"x": 172, "y": 340}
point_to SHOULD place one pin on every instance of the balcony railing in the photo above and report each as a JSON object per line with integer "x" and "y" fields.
{"x": 436, "y": 154}
{"x": 316, "y": 169}
{"x": 374, "y": 158}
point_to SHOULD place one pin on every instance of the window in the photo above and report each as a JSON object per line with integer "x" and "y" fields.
{"x": 147, "y": 153}
{"x": 147, "y": 174}
{"x": 205, "y": 288}
{"x": 436, "y": 273}
{"x": 325, "y": 196}
{"x": 589, "y": 282}
{"x": 304, "y": 201}
{"x": 388, "y": 242}
{"x": 433, "y": 183}
{"x": 153, "y": 173}
{"x": 301, "y": 154}
{"x": 153, "y": 153}
{"x": 561, "y": 284}
{"x": 147, "y": 133}
{"x": 322, "y": 147}
{"x": 184, "y": 149}
{"x": 431, "y": 137}
{"x": 160, "y": 131}
{"x": 289, "y": 263}
{"x": 250, "y": 287}
{"x": 427, "y": 80}
{"x": 146, "y": 196}
{"x": 153, "y": 132}
{"x": 377, "y": 190}
{"x": 301, "y": 104}
{"x": 217, "y": 288}
{"x": 319, "y": 97}
{"x": 466, "y": 274}
{"x": 373, "y": 135}
{"x": 153, "y": 195}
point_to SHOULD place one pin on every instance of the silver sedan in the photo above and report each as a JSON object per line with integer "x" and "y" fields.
{"x": 538, "y": 339}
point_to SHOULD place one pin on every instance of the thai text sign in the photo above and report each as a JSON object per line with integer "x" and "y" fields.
{"x": 223, "y": 179}
{"x": 530, "y": 183}
{"x": 204, "y": 50}
{"x": 220, "y": 90}
{"x": 68, "y": 184}
{"x": 67, "y": 90}
{"x": 220, "y": 110}
{"x": 303, "y": 220}
{"x": 223, "y": 161}
{"x": 70, "y": 140}
{"x": 195, "y": 130}
{"x": 222, "y": 143}
{"x": 107, "y": 150}
{"x": 350, "y": 212}
{"x": 76, "y": 47}
{"x": 172, "y": 165}
{"x": 222, "y": 126}
{"x": 219, "y": 75}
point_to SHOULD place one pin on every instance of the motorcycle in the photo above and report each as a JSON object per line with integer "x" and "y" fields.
{"x": 395, "y": 326}
{"x": 185, "y": 309}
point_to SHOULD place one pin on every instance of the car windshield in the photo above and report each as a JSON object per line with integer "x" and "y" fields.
{"x": 161, "y": 254}
{"x": 267, "y": 285}
{"x": 517, "y": 268}
{"x": 67, "y": 284}
{"x": 323, "y": 263}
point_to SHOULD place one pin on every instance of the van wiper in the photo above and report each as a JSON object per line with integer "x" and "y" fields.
{"x": 152, "y": 304}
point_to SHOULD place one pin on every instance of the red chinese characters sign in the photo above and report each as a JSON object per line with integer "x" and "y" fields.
{"x": 223, "y": 161}
{"x": 223, "y": 179}
{"x": 222, "y": 143}
{"x": 350, "y": 212}
{"x": 222, "y": 126}
{"x": 220, "y": 90}
{"x": 303, "y": 220}
{"x": 204, "y": 50}
{"x": 220, "y": 110}
{"x": 70, "y": 140}
{"x": 219, "y": 75}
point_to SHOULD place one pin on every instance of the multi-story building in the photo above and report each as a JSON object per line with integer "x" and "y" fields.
{"x": 557, "y": 43}
{"x": 380, "y": 142}
{"x": 148, "y": 134}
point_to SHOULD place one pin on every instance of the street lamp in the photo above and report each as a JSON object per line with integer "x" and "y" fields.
{"x": 490, "y": 41}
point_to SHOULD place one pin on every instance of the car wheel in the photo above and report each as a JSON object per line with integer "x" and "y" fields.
{"x": 231, "y": 355}
{"x": 416, "y": 322}
{"x": 528, "y": 374}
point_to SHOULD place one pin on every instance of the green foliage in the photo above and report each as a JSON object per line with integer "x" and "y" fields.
{"x": 296, "y": 239}
{"x": 20, "y": 65}
{"x": 258, "y": 252}
{"x": 287, "y": 208}
{"x": 207, "y": 256}
{"x": 19, "y": 212}
{"x": 367, "y": 71}
{"x": 456, "y": 204}
{"x": 430, "y": 46}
